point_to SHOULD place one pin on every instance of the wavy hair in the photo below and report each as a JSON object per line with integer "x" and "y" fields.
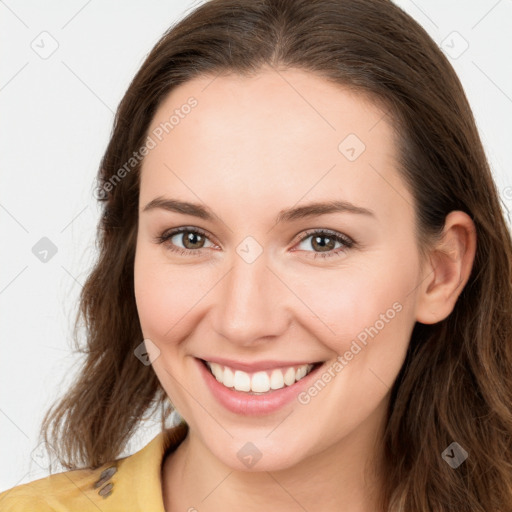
{"x": 455, "y": 383}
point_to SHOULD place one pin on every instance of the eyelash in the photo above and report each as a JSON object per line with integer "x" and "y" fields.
{"x": 347, "y": 242}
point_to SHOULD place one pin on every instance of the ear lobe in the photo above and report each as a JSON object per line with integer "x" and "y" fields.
{"x": 447, "y": 270}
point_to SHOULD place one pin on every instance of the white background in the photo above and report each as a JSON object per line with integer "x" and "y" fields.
{"x": 57, "y": 114}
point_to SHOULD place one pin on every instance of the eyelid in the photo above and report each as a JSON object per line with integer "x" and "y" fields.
{"x": 347, "y": 241}
{"x": 324, "y": 231}
{"x": 169, "y": 233}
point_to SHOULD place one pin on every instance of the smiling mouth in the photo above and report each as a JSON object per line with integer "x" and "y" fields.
{"x": 260, "y": 382}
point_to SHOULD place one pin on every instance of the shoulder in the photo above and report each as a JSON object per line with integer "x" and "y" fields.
{"x": 132, "y": 483}
{"x": 81, "y": 489}
{"x": 73, "y": 489}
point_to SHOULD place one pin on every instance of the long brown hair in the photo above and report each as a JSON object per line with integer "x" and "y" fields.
{"x": 455, "y": 384}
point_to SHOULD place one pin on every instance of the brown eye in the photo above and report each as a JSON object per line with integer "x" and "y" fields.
{"x": 184, "y": 240}
{"x": 192, "y": 240}
{"x": 324, "y": 243}
{"x": 317, "y": 242}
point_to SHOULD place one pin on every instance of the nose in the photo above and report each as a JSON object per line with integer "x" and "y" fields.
{"x": 252, "y": 304}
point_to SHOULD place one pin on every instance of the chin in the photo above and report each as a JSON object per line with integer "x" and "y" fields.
{"x": 261, "y": 454}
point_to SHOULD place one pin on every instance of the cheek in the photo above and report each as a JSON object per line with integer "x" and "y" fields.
{"x": 370, "y": 314}
{"x": 167, "y": 295}
{"x": 361, "y": 303}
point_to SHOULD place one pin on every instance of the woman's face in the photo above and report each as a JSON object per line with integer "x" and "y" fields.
{"x": 255, "y": 284}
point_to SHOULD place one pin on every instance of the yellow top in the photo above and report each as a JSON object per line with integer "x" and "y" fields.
{"x": 130, "y": 484}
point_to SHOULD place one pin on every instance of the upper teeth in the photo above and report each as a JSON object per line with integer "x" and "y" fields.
{"x": 259, "y": 382}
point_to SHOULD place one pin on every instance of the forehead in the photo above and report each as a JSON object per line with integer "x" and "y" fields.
{"x": 288, "y": 130}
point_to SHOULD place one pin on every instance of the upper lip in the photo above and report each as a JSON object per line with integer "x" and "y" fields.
{"x": 256, "y": 365}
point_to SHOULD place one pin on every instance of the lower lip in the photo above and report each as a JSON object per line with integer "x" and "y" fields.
{"x": 250, "y": 405}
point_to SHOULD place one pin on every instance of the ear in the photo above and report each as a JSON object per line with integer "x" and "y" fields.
{"x": 446, "y": 269}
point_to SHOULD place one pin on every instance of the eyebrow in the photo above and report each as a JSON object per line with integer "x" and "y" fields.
{"x": 287, "y": 215}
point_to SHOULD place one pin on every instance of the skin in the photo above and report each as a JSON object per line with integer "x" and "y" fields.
{"x": 252, "y": 147}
